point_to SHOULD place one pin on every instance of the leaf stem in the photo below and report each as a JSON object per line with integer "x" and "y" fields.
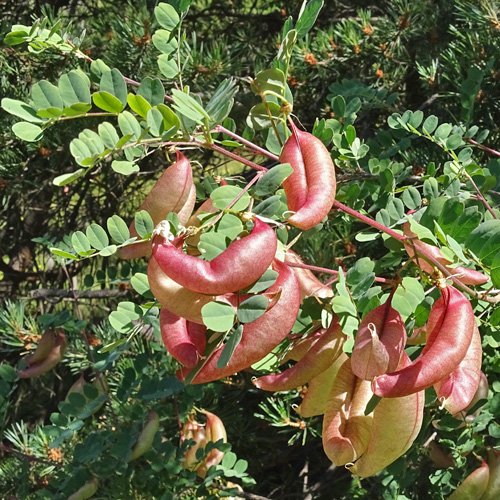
{"x": 368, "y": 220}
{"x": 484, "y": 148}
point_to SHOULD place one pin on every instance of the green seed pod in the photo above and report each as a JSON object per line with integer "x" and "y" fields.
{"x": 147, "y": 435}
{"x": 87, "y": 491}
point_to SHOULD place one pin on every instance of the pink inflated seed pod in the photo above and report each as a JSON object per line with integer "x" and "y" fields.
{"x": 261, "y": 336}
{"x": 174, "y": 297}
{"x": 242, "y": 263}
{"x": 184, "y": 340}
{"x": 459, "y": 387}
{"x": 310, "y": 189}
{"x": 452, "y": 320}
{"x": 379, "y": 342}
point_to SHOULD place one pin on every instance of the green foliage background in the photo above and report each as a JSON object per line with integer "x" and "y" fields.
{"x": 440, "y": 57}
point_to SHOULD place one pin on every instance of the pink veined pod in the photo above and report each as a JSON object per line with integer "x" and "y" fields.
{"x": 175, "y": 192}
{"x": 459, "y": 387}
{"x": 474, "y": 485}
{"x": 465, "y": 275}
{"x": 379, "y": 342}
{"x": 318, "y": 389}
{"x": 452, "y": 320}
{"x": 184, "y": 340}
{"x": 234, "y": 269}
{"x": 346, "y": 428}
{"x": 395, "y": 425}
{"x": 174, "y": 297}
{"x": 261, "y": 336}
{"x": 310, "y": 189}
{"x": 310, "y": 286}
{"x": 318, "y": 359}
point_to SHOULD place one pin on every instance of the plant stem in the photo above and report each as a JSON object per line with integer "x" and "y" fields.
{"x": 480, "y": 196}
{"x": 330, "y": 271}
{"x": 484, "y": 148}
{"x": 236, "y": 157}
{"x": 251, "y": 145}
{"x": 368, "y": 220}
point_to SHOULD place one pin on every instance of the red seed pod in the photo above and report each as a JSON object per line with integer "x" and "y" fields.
{"x": 261, "y": 336}
{"x": 318, "y": 359}
{"x": 184, "y": 340}
{"x": 379, "y": 343}
{"x": 474, "y": 485}
{"x": 452, "y": 320}
{"x": 234, "y": 269}
{"x": 346, "y": 428}
{"x": 459, "y": 387}
{"x": 395, "y": 425}
{"x": 318, "y": 390}
{"x": 47, "y": 363}
{"x": 310, "y": 189}
{"x": 174, "y": 297}
{"x": 175, "y": 192}
{"x": 465, "y": 275}
{"x": 310, "y": 286}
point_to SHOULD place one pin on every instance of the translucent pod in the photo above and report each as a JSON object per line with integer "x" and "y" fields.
{"x": 346, "y": 428}
{"x": 146, "y": 436}
{"x": 318, "y": 359}
{"x": 318, "y": 390}
{"x": 380, "y": 342}
{"x": 395, "y": 425}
